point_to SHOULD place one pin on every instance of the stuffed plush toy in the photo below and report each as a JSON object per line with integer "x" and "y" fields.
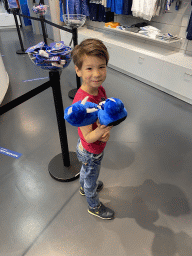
{"x": 109, "y": 112}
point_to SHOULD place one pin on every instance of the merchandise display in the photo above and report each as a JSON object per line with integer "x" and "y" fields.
{"x": 149, "y": 31}
{"x": 74, "y": 20}
{"x": 40, "y": 9}
{"x": 167, "y": 37}
{"x": 145, "y": 30}
{"x": 112, "y": 24}
{"x": 155, "y": 33}
{"x": 133, "y": 28}
{"x": 55, "y": 56}
{"x": 109, "y": 112}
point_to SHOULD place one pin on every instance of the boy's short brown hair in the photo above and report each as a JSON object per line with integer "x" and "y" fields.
{"x": 89, "y": 47}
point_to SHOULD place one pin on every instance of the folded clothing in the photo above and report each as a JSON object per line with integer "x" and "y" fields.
{"x": 149, "y": 31}
{"x": 112, "y": 24}
{"x": 155, "y": 33}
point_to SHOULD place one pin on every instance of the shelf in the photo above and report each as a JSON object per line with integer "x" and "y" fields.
{"x": 137, "y": 35}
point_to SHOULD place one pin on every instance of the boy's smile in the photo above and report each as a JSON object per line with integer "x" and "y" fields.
{"x": 93, "y": 73}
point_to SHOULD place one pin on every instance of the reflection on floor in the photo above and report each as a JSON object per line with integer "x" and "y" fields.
{"x": 146, "y": 171}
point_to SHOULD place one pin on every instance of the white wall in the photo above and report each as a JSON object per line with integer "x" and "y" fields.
{"x": 4, "y": 80}
{"x": 55, "y": 17}
{"x": 52, "y": 15}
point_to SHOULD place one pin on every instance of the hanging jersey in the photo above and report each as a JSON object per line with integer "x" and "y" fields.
{"x": 116, "y": 6}
{"x": 127, "y": 7}
{"x": 189, "y": 28}
{"x": 77, "y": 7}
{"x": 97, "y": 12}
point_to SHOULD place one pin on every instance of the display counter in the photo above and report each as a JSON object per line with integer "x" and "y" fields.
{"x": 4, "y": 80}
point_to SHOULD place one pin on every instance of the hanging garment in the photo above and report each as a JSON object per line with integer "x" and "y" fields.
{"x": 104, "y": 3}
{"x": 116, "y": 6}
{"x": 61, "y": 10}
{"x": 168, "y": 5}
{"x": 144, "y": 8}
{"x": 177, "y": 5}
{"x": 25, "y": 11}
{"x": 127, "y": 7}
{"x": 189, "y": 27}
{"x": 85, "y": 7}
{"x": 109, "y": 15}
{"x": 99, "y": 13}
{"x": 95, "y": 1}
{"x": 160, "y": 7}
{"x": 73, "y": 7}
{"x": 77, "y": 7}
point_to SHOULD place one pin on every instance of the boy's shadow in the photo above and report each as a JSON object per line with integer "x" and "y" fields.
{"x": 142, "y": 203}
{"x": 118, "y": 159}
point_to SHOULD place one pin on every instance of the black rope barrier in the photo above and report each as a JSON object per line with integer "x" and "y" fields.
{"x": 46, "y": 21}
{"x": 65, "y": 166}
{"x": 21, "y": 99}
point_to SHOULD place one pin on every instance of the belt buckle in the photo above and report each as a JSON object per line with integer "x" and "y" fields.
{"x": 80, "y": 146}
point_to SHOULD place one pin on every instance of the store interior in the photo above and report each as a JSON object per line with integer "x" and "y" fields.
{"x": 146, "y": 169}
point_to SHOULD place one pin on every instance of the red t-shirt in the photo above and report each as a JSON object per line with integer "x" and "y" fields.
{"x": 98, "y": 146}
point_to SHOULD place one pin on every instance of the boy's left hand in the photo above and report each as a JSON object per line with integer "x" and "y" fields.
{"x": 105, "y": 137}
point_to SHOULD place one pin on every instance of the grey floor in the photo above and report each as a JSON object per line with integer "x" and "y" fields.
{"x": 146, "y": 171}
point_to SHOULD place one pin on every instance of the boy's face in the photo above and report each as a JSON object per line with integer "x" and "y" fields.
{"x": 93, "y": 72}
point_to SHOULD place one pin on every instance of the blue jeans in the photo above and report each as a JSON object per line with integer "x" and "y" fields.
{"x": 89, "y": 173}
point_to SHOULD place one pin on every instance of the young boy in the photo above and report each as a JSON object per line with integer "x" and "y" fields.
{"x": 91, "y": 59}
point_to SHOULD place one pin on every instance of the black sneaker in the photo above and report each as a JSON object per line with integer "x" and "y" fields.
{"x": 102, "y": 212}
{"x": 99, "y": 188}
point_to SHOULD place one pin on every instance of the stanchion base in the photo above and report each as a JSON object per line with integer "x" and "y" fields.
{"x": 58, "y": 171}
{"x": 72, "y": 93}
{"x": 21, "y": 52}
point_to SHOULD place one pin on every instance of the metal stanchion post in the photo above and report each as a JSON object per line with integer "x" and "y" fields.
{"x": 72, "y": 93}
{"x": 43, "y": 28}
{"x": 22, "y": 51}
{"x": 65, "y": 166}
